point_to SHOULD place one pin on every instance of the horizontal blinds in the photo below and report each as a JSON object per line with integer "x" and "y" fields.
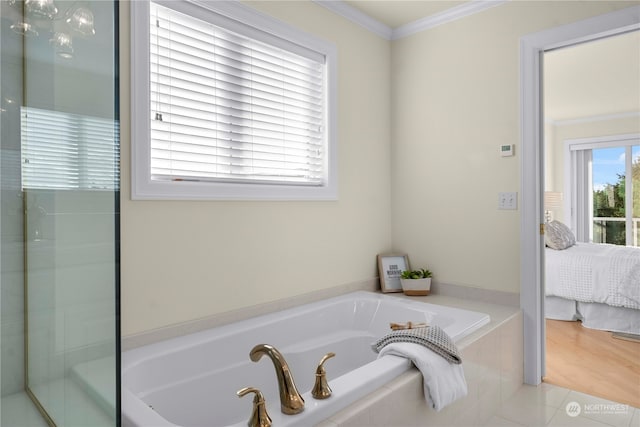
{"x": 225, "y": 107}
{"x": 69, "y": 151}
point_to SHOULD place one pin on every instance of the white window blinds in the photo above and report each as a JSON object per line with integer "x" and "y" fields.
{"x": 69, "y": 151}
{"x": 229, "y": 108}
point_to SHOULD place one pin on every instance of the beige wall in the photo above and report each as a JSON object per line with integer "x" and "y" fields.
{"x": 427, "y": 186}
{"x": 187, "y": 260}
{"x": 455, "y": 99}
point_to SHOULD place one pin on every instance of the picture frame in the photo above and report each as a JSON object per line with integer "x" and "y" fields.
{"x": 390, "y": 267}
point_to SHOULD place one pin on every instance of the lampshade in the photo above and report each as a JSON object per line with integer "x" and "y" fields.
{"x": 552, "y": 200}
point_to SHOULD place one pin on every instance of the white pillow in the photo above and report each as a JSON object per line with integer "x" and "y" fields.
{"x": 558, "y": 236}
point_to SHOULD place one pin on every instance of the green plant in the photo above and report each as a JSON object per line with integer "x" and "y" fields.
{"x": 416, "y": 274}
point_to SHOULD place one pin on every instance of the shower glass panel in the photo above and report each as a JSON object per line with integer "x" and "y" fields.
{"x": 69, "y": 140}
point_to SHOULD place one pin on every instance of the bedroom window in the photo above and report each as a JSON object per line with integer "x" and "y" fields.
{"x": 605, "y": 189}
{"x": 230, "y": 104}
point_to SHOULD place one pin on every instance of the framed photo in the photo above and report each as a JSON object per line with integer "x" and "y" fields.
{"x": 390, "y": 267}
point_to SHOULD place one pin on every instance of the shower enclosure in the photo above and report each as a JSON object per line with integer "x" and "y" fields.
{"x": 59, "y": 205}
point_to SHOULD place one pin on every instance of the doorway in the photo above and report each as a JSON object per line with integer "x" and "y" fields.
{"x": 532, "y": 169}
{"x": 592, "y": 146}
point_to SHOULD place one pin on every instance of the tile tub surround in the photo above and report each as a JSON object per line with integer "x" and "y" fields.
{"x": 493, "y": 365}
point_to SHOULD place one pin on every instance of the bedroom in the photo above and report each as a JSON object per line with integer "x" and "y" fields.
{"x": 592, "y": 155}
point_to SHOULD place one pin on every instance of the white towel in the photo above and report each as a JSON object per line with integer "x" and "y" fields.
{"x": 443, "y": 382}
{"x": 432, "y": 337}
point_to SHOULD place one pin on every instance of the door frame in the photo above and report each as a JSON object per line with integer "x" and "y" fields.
{"x": 532, "y": 47}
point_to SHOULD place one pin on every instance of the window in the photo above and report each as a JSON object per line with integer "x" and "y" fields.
{"x": 604, "y": 189}
{"x": 229, "y": 104}
{"x": 65, "y": 151}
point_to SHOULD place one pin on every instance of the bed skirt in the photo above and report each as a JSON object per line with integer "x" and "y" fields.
{"x": 594, "y": 315}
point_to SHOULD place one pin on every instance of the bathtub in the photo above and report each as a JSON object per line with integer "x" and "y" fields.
{"x": 192, "y": 380}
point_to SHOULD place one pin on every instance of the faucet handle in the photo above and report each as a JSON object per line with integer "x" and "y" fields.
{"x": 321, "y": 389}
{"x": 259, "y": 416}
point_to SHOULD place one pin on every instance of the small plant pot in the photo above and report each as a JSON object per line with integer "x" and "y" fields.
{"x": 416, "y": 287}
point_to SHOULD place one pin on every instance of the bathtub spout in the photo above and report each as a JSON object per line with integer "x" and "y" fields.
{"x": 290, "y": 400}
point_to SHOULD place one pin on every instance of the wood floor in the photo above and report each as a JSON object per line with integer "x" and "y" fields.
{"x": 593, "y": 362}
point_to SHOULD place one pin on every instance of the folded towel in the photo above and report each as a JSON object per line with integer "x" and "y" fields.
{"x": 432, "y": 337}
{"x": 436, "y": 356}
{"x": 443, "y": 382}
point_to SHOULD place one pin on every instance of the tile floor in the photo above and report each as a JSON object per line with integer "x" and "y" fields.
{"x": 550, "y": 405}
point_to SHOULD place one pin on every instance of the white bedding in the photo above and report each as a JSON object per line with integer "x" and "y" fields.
{"x": 590, "y": 272}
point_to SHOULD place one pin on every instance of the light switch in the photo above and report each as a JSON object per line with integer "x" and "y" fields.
{"x": 508, "y": 201}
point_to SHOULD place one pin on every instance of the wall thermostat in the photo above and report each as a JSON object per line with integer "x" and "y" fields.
{"x": 506, "y": 150}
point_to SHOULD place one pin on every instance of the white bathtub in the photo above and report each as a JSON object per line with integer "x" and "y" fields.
{"x": 192, "y": 380}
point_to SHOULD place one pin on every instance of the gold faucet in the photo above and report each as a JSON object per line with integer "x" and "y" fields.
{"x": 321, "y": 389}
{"x": 290, "y": 400}
{"x": 259, "y": 416}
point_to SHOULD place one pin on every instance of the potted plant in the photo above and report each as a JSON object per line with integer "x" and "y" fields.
{"x": 416, "y": 282}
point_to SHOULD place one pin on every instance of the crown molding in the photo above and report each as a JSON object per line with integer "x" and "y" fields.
{"x": 388, "y": 33}
{"x": 444, "y": 17}
{"x": 358, "y": 17}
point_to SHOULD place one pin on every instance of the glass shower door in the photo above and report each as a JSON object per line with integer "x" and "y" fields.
{"x": 70, "y": 179}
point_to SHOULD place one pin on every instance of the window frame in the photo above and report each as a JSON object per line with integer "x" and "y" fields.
{"x": 235, "y": 13}
{"x": 578, "y": 183}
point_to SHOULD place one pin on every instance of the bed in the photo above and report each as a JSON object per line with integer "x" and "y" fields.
{"x": 598, "y": 284}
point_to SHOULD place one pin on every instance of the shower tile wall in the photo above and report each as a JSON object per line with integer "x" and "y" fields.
{"x": 70, "y": 281}
{"x": 493, "y": 369}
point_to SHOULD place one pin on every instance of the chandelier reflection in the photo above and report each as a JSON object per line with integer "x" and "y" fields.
{"x": 42, "y": 8}
{"x": 24, "y": 28}
{"x": 76, "y": 20}
{"x": 81, "y": 21}
{"x": 63, "y": 45}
